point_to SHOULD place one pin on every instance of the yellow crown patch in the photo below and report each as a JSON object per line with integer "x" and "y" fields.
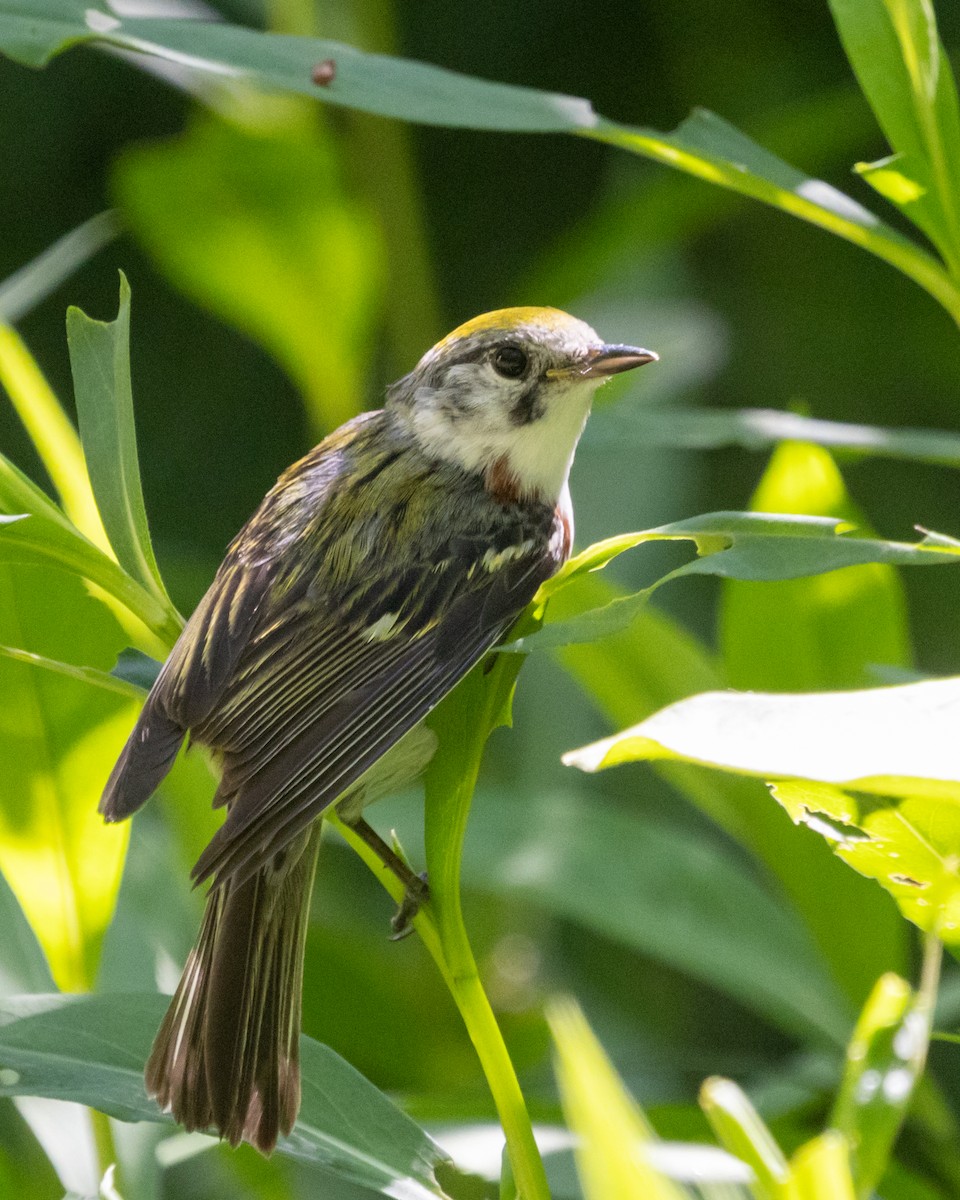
{"x": 507, "y": 319}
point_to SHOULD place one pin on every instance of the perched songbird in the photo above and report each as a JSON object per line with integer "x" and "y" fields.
{"x": 373, "y": 576}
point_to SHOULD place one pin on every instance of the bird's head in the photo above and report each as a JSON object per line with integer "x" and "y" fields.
{"x": 507, "y": 395}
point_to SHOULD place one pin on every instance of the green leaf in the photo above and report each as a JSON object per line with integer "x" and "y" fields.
{"x": 900, "y": 62}
{"x": 826, "y": 631}
{"x": 672, "y": 897}
{"x": 891, "y": 741}
{"x": 52, "y": 434}
{"x": 733, "y": 545}
{"x": 258, "y": 227}
{"x": 23, "y": 965}
{"x": 91, "y": 1049}
{"x": 96, "y": 678}
{"x": 613, "y": 1133}
{"x": 38, "y": 541}
{"x": 741, "y": 1130}
{"x": 21, "y": 292}
{"x": 704, "y": 145}
{"x": 820, "y": 1169}
{"x": 885, "y": 1060}
{"x": 756, "y": 428}
{"x": 910, "y": 846}
{"x": 100, "y": 361}
{"x": 58, "y": 740}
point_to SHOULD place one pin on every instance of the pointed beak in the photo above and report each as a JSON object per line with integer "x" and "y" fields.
{"x": 611, "y": 360}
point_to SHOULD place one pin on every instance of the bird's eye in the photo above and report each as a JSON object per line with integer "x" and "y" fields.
{"x": 510, "y": 361}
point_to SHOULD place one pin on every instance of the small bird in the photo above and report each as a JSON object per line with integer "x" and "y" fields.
{"x": 376, "y": 572}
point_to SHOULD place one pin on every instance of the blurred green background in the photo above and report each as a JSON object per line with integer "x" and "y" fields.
{"x": 287, "y": 267}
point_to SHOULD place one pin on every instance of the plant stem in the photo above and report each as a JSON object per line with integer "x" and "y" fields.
{"x": 105, "y": 1145}
{"x": 455, "y": 961}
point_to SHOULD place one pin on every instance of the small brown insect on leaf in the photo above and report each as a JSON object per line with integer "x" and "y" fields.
{"x": 324, "y": 72}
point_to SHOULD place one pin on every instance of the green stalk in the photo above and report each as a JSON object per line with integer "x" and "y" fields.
{"x": 450, "y": 950}
{"x": 464, "y": 722}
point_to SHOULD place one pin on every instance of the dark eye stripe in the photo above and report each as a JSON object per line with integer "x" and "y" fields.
{"x": 529, "y": 407}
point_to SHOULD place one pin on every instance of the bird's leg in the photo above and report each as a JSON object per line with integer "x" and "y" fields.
{"x": 417, "y": 890}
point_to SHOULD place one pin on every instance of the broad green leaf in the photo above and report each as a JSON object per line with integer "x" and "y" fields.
{"x": 671, "y": 897}
{"x": 885, "y": 1060}
{"x": 826, "y": 631}
{"x": 23, "y": 966}
{"x": 741, "y": 1130}
{"x": 258, "y": 227}
{"x": 896, "y": 53}
{"x": 32, "y": 31}
{"x": 910, "y": 846}
{"x": 612, "y": 1131}
{"x": 733, "y": 545}
{"x": 21, "y": 292}
{"x": 756, "y": 428}
{"x": 100, "y": 361}
{"x": 891, "y": 741}
{"x": 58, "y": 740}
{"x": 91, "y": 1049}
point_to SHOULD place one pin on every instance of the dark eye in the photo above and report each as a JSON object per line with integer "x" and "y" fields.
{"x": 510, "y": 361}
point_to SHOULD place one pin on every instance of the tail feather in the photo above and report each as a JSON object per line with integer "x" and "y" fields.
{"x": 228, "y": 1051}
{"x": 144, "y": 761}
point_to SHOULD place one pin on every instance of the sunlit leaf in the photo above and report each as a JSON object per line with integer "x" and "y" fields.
{"x": 910, "y": 846}
{"x": 258, "y": 227}
{"x": 612, "y": 1130}
{"x": 91, "y": 1049}
{"x": 52, "y": 434}
{"x": 739, "y": 1127}
{"x": 38, "y": 540}
{"x": 893, "y": 740}
{"x": 59, "y": 740}
{"x": 821, "y": 1169}
{"x": 826, "y": 631}
{"x": 900, "y": 62}
{"x": 885, "y": 1059}
{"x": 633, "y": 674}
{"x": 100, "y": 361}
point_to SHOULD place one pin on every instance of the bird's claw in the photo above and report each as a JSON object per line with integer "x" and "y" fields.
{"x": 417, "y": 894}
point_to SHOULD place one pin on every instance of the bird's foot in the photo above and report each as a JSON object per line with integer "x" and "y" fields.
{"x": 417, "y": 894}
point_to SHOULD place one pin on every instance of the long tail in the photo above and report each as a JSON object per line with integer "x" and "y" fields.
{"x": 227, "y": 1054}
